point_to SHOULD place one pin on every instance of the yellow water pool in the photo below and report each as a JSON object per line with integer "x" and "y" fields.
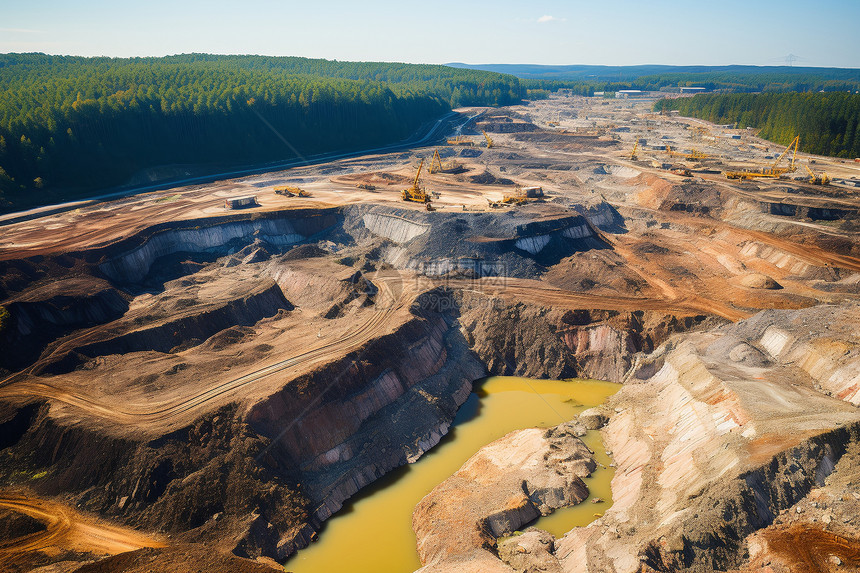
{"x": 373, "y": 533}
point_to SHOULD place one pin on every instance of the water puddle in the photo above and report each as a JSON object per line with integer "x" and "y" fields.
{"x": 374, "y": 532}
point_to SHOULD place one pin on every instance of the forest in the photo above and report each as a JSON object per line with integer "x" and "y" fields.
{"x": 70, "y": 125}
{"x": 827, "y": 123}
{"x": 585, "y": 80}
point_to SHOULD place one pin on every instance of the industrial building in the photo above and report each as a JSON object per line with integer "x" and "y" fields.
{"x": 241, "y": 202}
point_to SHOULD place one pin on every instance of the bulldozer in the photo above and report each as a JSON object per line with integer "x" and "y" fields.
{"x": 415, "y": 193}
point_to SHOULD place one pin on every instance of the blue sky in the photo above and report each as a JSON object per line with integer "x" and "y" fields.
{"x": 620, "y": 32}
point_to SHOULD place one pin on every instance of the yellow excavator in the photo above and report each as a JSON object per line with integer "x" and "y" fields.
{"x": 489, "y": 140}
{"x": 772, "y": 172}
{"x": 815, "y": 179}
{"x": 416, "y": 193}
{"x": 633, "y": 155}
{"x": 436, "y": 165}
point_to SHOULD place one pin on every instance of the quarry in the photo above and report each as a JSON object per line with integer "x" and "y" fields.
{"x": 201, "y": 378}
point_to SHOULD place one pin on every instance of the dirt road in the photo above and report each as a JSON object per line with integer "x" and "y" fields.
{"x": 66, "y": 529}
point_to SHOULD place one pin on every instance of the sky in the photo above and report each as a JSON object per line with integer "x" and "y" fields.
{"x": 612, "y": 32}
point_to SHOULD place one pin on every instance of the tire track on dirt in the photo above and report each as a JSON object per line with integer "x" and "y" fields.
{"x": 66, "y": 528}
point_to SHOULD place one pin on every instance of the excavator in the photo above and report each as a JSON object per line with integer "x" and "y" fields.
{"x": 415, "y": 193}
{"x": 815, "y": 179}
{"x": 772, "y": 172}
{"x": 489, "y": 140}
{"x": 633, "y": 155}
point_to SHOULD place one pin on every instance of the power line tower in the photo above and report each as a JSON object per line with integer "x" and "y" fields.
{"x": 790, "y": 59}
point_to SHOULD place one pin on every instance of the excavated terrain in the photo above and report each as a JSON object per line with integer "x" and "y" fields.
{"x": 185, "y": 387}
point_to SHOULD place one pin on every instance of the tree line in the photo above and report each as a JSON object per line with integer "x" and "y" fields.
{"x": 69, "y": 125}
{"x": 826, "y": 80}
{"x": 827, "y": 123}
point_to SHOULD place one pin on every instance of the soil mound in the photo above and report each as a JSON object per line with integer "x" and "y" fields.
{"x": 756, "y": 280}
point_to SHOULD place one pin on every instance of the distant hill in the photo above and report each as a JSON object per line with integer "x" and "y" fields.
{"x": 631, "y": 73}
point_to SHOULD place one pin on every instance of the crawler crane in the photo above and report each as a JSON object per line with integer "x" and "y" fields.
{"x": 772, "y": 172}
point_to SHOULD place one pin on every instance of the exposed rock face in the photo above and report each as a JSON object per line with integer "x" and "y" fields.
{"x": 508, "y": 483}
{"x": 137, "y": 254}
{"x": 377, "y": 413}
{"x": 737, "y": 425}
{"x": 544, "y": 342}
{"x": 531, "y": 552}
{"x": 46, "y": 313}
{"x": 254, "y": 471}
{"x": 821, "y": 533}
{"x": 486, "y": 244}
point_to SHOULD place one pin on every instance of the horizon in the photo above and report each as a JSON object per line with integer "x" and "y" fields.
{"x": 449, "y": 63}
{"x": 552, "y": 32}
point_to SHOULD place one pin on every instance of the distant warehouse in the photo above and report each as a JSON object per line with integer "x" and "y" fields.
{"x": 625, "y": 94}
{"x": 693, "y": 90}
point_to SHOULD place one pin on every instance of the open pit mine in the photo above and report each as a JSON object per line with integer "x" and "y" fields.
{"x": 226, "y": 376}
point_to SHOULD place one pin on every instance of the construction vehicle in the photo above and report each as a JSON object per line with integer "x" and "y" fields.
{"x": 815, "y": 179}
{"x": 460, "y": 140}
{"x": 522, "y": 195}
{"x": 694, "y": 155}
{"x": 437, "y": 166}
{"x": 291, "y": 191}
{"x": 489, "y": 139}
{"x": 416, "y": 193}
{"x": 366, "y": 186}
{"x": 633, "y": 155}
{"x": 772, "y": 172}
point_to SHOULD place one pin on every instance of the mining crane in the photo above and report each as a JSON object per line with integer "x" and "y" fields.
{"x": 415, "y": 193}
{"x": 434, "y": 162}
{"x": 437, "y": 166}
{"x": 633, "y": 155}
{"x": 772, "y": 172}
{"x": 815, "y": 179}
{"x": 460, "y": 140}
{"x": 489, "y": 140}
{"x": 694, "y": 155}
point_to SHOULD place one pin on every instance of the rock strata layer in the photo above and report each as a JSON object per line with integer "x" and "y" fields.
{"x": 507, "y": 484}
